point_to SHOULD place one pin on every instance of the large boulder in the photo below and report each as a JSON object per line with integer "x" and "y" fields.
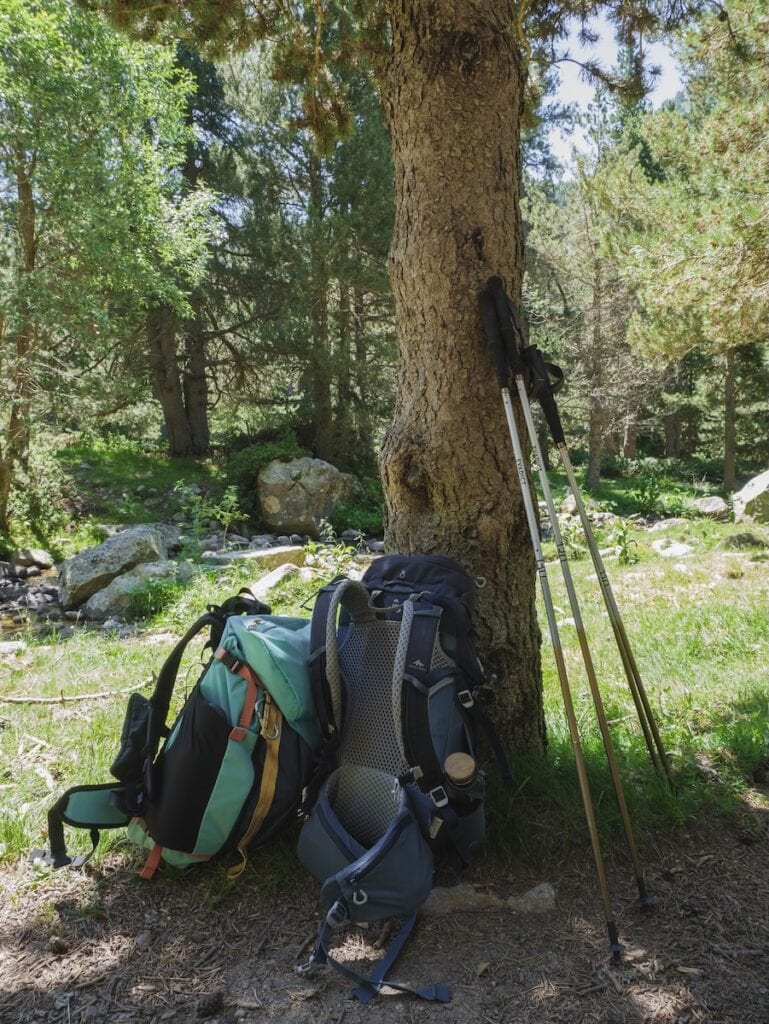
{"x": 752, "y": 502}
{"x": 91, "y": 570}
{"x": 116, "y": 596}
{"x": 712, "y": 507}
{"x": 294, "y": 496}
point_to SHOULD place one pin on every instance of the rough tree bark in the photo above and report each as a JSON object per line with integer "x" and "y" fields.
{"x": 453, "y": 93}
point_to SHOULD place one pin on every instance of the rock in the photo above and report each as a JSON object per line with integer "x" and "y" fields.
{"x": 8, "y": 647}
{"x": 262, "y": 587}
{"x": 294, "y": 496}
{"x": 263, "y": 540}
{"x": 32, "y": 556}
{"x": 376, "y": 547}
{"x": 237, "y": 541}
{"x": 115, "y": 597}
{"x": 90, "y": 571}
{"x": 712, "y": 507}
{"x": 351, "y": 536}
{"x": 466, "y": 898}
{"x": 671, "y": 549}
{"x": 666, "y": 524}
{"x": 265, "y": 558}
{"x": 282, "y": 541}
{"x": 295, "y": 538}
{"x": 539, "y": 900}
{"x": 752, "y": 502}
{"x": 144, "y": 941}
{"x": 740, "y": 541}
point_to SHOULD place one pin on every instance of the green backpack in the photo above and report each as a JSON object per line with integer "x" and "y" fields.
{"x": 232, "y": 768}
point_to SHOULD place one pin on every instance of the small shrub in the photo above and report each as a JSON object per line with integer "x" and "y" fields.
{"x": 242, "y": 468}
{"x": 625, "y": 546}
{"x": 152, "y": 598}
{"x": 365, "y": 513}
{"x": 200, "y": 508}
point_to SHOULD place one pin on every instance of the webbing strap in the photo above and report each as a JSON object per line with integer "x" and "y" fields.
{"x": 254, "y": 684}
{"x": 272, "y": 730}
{"x": 152, "y": 862}
{"x": 164, "y": 687}
{"x": 369, "y": 987}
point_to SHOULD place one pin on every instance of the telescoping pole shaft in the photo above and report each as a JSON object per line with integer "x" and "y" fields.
{"x": 645, "y": 899}
{"x": 502, "y": 369}
{"x": 544, "y": 393}
{"x": 645, "y": 714}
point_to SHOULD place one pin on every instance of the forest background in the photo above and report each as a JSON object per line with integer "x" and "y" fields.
{"x": 187, "y": 269}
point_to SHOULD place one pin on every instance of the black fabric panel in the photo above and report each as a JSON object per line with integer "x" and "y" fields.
{"x": 185, "y": 775}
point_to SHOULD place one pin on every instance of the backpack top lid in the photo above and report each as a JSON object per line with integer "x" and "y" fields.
{"x": 440, "y": 577}
{"x": 278, "y": 649}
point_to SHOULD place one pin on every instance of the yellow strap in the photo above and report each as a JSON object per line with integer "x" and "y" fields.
{"x": 271, "y": 730}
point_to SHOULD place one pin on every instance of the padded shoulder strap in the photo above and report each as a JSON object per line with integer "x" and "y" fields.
{"x": 164, "y": 687}
{"x": 353, "y": 597}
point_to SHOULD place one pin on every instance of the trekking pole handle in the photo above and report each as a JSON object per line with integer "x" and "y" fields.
{"x": 543, "y": 390}
{"x": 509, "y": 323}
{"x": 494, "y": 338}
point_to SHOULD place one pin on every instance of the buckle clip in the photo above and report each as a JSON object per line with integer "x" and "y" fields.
{"x": 466, "y": 699}
{"x": 439, "y": 796}
{"x": 337, "y": 917}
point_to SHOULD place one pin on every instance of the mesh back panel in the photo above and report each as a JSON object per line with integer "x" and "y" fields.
{"x": 366, "y": 659}
{"x": 365, "y": 801}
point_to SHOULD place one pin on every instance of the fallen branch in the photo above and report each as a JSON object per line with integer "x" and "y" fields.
{"x": 74, "y": 697}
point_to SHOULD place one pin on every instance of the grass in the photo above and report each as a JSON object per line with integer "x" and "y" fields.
{"x": 120, "y": 480}
{"x": 700, "y": 633}
{"x": 698, "y": 626}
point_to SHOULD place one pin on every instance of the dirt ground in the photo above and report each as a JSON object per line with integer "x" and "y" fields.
{"x": 104, "y": 946}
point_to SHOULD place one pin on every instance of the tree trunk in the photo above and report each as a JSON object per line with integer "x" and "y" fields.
{"x": 730, "y": 424}
{"x": 595, "y": 438}
{"x": 166, "y": 379}
{"x": 318, "y": 377}
{"x": 195, "y": 385}
{"x": 672, "y": 424}
{"x": 629, "y": 438}
{"x": 14, "y": 453}
{"x": 453, "y": 94}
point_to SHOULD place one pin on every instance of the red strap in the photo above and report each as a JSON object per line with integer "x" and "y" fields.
{"x": 152, "y": 862}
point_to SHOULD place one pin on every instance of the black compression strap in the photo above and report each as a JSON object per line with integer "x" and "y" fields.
{"x": 160, "y": 700}
{"x": 318, "y": 681}
{"x": 544, "y": 390}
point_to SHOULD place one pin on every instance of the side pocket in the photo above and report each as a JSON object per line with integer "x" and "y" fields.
{"x": 185, "y": 774}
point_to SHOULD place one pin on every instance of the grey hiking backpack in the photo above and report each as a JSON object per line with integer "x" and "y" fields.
{"x": 396, "y": 685}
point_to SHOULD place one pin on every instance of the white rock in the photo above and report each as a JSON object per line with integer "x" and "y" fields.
{"x": 267, "y": 558}
{"x": 12, "y": 647}
{"x": 671, "y": 549}
{"x": 752, "y": 502}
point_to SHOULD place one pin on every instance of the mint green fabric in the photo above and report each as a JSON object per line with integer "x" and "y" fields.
{"x": 233, "y": 784}
{"x": 278, "y": 649}
{"x": 91, "y": 807}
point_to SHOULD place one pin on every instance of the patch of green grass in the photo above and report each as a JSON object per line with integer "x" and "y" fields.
{"x": 700, "y": 634}
{"x": 116, "y": 478}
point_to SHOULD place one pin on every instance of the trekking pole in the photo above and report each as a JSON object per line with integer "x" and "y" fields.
{"x": 503, "y": 313}
{"x": 646, "y": 718}
{"x": 500, "y": 359}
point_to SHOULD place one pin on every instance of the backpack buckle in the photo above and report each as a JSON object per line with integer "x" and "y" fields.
{"x": 337, "y": 916}
{"x": 439, "y": 796}
{"x": 466, "y": 699}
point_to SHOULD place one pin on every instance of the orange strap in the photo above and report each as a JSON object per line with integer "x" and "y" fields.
{"x": 240, "y": 668}
{"x": 272, "y": 729}
{"x": 152, "y": 862}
